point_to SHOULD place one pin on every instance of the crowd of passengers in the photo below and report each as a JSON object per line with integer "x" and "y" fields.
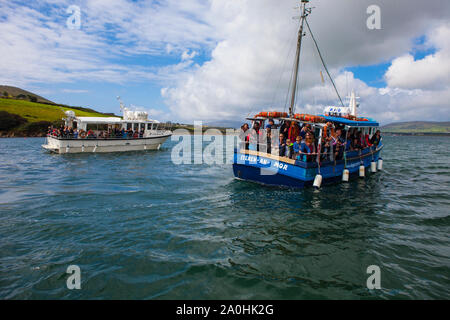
{"x": 70, "y": 133}
{"x": 301, "y": 143}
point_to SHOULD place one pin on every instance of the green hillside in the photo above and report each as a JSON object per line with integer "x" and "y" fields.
{"x": 18, "y": 93}
{"x": 418, "y": 127}
{"x": 33, "y": 111}
{"x": 26, "y": 118}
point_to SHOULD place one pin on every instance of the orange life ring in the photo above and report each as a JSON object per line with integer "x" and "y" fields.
{"x": 272, "y": 114}
{"x": 324, "y": 132}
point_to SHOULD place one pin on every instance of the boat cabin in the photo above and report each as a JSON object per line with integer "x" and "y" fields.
{"x": 136, "y": 121}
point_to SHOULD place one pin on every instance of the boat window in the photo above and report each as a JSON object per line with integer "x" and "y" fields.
{"x": 102, "y": 127}
{"x": 135, "y": 126}
{"x": 149, "y": 126}
{"x": 91, "y": 126}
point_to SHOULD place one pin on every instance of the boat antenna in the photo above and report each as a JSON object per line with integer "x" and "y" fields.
{"x": 304, "y": 12}
{"x": 122, "y": 106}
{"x": 323, "y": 62}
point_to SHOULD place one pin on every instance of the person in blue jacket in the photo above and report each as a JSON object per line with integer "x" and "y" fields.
{"x": 308, "y": 148}
{"x": 297, "y": 147}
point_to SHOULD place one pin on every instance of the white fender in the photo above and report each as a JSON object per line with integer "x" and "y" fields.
{"x": 362, "y": 171}
{"x": 380, "y": 164}
{"x": 317, "y": 181}
{"x": 373, "y": 167}
{"x": 345, "y": 175}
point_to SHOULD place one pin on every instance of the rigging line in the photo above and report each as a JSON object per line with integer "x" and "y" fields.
{"x": 289, "y": 89}
{"x": 294, "y": 77}
{"x": 266, "y": 81}
{"x": 324, "y": 81}
{"x": 282, "y": 71}
{"x": 297, "y": 90}
{"x": 323, "y": 62}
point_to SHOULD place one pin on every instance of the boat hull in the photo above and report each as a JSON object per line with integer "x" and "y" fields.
{"x": 61, "y": 145}
{"x": 279, "y": 171}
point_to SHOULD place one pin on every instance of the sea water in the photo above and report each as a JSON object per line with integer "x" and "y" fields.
{"x": 139, "y": 226}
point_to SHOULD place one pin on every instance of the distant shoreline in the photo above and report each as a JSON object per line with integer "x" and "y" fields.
{"x": 443, "y": 134}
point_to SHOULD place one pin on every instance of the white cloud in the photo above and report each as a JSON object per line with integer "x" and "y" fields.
{"x": 250, "y": 43}
{"x": 188, "y": 56}
{"x": 243, "y": 75}
{"x": 431, "y": 72}
{"x": 37, "y": 47}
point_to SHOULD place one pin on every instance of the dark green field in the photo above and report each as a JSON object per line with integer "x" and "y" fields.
{"x": 424, "y": 127}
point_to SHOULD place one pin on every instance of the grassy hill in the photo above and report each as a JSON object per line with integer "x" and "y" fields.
{"x": 33, "y": 111}
{"x": 26, "y": 118}
{"x": 412, "y": 127}
{"x": 17, "y": 93}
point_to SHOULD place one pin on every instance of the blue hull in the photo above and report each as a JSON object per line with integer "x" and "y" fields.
{"x": 265, "y": 170}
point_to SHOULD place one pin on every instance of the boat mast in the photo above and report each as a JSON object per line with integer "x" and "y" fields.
{"x": 304, "y": 13}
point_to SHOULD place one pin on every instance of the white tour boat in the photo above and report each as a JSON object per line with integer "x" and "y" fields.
{"x": 133, "y": 132}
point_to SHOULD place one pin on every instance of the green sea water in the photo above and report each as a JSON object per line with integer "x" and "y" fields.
{"x": 141, "y": 227}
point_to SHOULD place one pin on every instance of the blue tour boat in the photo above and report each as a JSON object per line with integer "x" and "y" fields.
{"x": 253, "y": 161}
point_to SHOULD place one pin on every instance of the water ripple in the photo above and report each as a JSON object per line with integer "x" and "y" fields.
{"x": 140, "y": 227}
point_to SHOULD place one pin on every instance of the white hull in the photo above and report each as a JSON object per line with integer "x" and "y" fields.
{"x": 61, "y": 146}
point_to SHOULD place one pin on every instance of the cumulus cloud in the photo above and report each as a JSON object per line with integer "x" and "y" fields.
{"x": 431, "y": 72}
{"x": 250, "y": 67}
{"x": 249, "y": 47}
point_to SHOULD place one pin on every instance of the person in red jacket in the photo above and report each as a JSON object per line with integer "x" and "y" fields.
{"x": 294, "y": 131}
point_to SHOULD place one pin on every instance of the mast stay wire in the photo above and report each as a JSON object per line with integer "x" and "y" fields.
{"x": 269, "y": 74}
{"x": 323, "y": 62}
{"x": 289, "y": 87}
{"x": 275, "y": 94}
{"x": 324, "y": 85}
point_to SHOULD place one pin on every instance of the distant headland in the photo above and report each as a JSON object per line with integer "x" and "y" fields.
{"x": 418, "y": 128}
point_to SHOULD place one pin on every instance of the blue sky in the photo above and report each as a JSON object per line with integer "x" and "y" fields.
{"x": 373, "y": 74}
{"x": 221, "y": 60}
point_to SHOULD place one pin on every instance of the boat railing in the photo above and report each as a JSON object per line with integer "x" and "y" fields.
{"x": 349, "y": 155}
{"x": 117, "y": 137}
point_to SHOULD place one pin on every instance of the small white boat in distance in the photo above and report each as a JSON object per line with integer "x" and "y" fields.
{"x": 133, "y": 132}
